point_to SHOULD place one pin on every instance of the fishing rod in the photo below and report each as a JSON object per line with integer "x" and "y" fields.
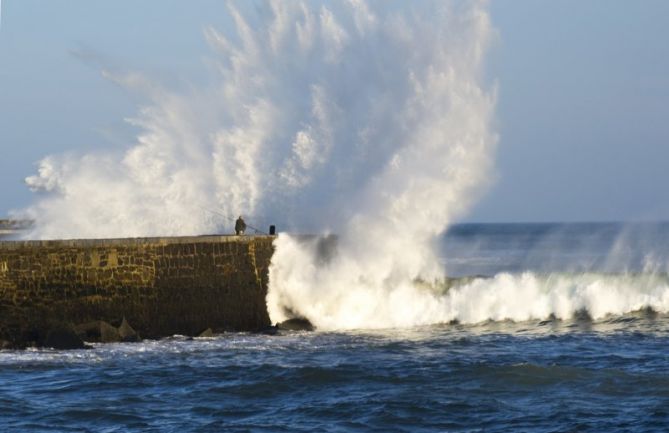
{"x": 257, "y": 230}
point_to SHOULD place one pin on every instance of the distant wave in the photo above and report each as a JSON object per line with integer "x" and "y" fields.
{"x": 528, "y": 295}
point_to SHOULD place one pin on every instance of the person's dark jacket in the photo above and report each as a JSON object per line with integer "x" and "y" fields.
{"x": 240, "y": 226}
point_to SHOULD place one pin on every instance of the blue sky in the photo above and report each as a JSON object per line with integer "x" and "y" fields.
{"x": 582, "y": 110}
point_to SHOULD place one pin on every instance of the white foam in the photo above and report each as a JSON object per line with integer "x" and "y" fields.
{"x": 529, "y": 296}
{"x": 516, "y": 297}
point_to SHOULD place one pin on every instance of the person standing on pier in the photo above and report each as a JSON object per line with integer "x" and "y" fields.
{"x": 240, "y": 226}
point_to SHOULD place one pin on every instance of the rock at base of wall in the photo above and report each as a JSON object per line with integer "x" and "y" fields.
{"x": 296, "y": 324}
{"x": 63, "y": 339}
{"x": 207, "y": 333}
{"x": 98, "y": 331}
{"x": 127, "y": 333}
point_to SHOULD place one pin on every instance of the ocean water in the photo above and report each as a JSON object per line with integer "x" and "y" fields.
{"x": 603, "y": 368}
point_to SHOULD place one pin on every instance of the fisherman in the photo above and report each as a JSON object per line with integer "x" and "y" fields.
{"x": 240, "y": 226}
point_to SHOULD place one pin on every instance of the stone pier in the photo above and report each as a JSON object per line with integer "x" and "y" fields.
{"x": 162, "y": 286}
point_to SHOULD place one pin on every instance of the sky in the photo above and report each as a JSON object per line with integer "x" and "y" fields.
{"x": 583, "y": 96}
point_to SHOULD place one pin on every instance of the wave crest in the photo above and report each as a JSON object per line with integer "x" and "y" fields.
{"x": 333, "y": 300}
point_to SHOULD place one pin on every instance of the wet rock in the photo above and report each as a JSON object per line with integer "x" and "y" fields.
{"x": 63, "y": 339}
{"x": 270, "y": 330}
{"x": 207, "y": 333}
{"x": 109, "y": 334}
{"x": 127, "y": 333}
{"x": 98, "y": 331}
{"x": 296, "y": 324}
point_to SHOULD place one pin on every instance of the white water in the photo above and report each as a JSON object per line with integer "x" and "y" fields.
{"x": 506, "y": 296}
{"x": 438, "y": 161}
{"x": 530, "y": 296}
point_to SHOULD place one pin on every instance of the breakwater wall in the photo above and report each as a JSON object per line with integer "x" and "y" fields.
{"x": 162, "y": 286}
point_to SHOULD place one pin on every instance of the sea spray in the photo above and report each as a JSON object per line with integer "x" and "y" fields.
{"x": 311, "y": 107}
{"x": 440, "y": 160}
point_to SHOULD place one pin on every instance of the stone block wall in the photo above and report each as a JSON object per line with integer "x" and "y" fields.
{"x": 162, "y": 286}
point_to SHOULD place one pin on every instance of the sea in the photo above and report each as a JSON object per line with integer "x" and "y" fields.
{"x": 580, "y": 372}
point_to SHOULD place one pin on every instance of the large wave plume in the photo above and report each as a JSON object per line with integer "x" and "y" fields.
{"x": 432, "y": 149}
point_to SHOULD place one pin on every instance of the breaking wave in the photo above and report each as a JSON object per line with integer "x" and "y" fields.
{"x": 362, "y": 303}
{"x": 428, "y": 173}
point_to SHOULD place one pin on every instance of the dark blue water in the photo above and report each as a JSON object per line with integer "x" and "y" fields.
{"x": 578, "y": 375}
